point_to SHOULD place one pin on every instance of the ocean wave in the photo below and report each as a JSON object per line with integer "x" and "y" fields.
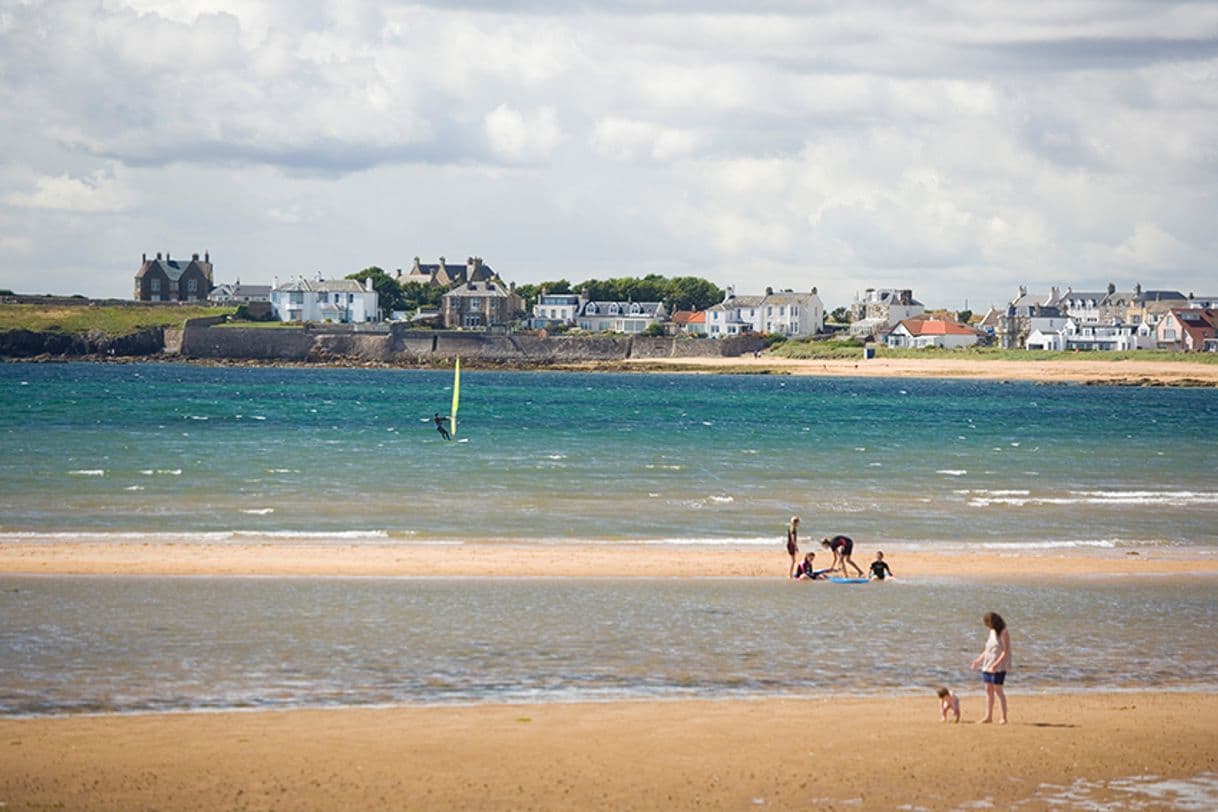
{"x": 88, "y": 472}
{"x": 162, "y": 472}
{"x": 258, "y": 511}
{"x": 951, "y": 471}
{"x": 1111, "y": 498}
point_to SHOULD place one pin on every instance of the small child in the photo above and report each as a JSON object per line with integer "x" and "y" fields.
{"x": 879, "y": 568}
{"x": 807, "y": 570}
{"x": 948, "y": 702}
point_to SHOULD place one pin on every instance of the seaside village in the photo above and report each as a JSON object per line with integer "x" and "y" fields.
{"x": 473, "y": 296}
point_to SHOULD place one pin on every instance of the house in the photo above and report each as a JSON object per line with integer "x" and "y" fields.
{"x": 690, "y": 322}
{"x": 481, "y": 304}
{"x": 1014, "y": 323}
{"x": 171, "y": 280}
{"x": 1047, "y": 333}
{"x": 556, "y": 309}
{"x": 921, "y": 333}
{"x": 342, "y": 301}
{"x": 881, "y": 308}
{"x": 620, "y": 317}
{"x": 237, "y": 293}
{"x": 794, "y": 315}
{"x": 1112, "y": 337}
{"x": 447, "y": 276}
{"x": 1190, "y": 329}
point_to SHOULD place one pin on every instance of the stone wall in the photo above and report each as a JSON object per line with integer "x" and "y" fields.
{"x": 30, "y": 344}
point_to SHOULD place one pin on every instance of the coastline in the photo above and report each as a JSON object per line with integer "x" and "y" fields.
{"x": 869, "y": 753}
{"x": 483, "y": 559}
{"x": 1090, "y": 370}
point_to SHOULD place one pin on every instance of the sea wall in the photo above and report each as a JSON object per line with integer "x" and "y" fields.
{"x": 396, "y": 345}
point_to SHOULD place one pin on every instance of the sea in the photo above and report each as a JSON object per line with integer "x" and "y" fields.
{"x": 179, "y": 454}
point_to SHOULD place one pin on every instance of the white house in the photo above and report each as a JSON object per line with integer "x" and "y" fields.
{"x": 923, "y": 333}
{"x": 1047, "y": 333}
{"x": 237, "y": 292}
{"x": 343, "y": 301}
{"x": 621, "y": 317}
{"x": 554, "y": 309}
{"x": 795, "y": 315}
{"x": 878, "y": 309}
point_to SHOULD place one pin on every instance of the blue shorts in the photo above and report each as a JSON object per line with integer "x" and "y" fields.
{"x": 994, "y": 677}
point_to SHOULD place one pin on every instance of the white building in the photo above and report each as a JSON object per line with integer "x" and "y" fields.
{"x": 554, "y": 309}
{"x": 236, "y": 293}
{"x": 879, "y": 309}
{"x": 342, "y": 301}
{"x": 794, "y": 315}
{"x": 1047, "y": 333}
{"x": 923, "y": 333}
{"x": 1075, "y": 335}
{"x": 620, "y": 317}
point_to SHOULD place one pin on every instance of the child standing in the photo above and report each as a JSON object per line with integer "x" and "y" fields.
{"x": 948, "y": 702}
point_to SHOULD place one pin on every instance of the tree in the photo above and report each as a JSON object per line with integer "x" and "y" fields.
{"x": 529, "y": 293}
{"x": 964, "y": 316}
{"x": 840, "y": 315}
{"x": 654, "y": 329}
{"x": 692, "y": 293}
{"x": 421, "y": 294}
{"x": 388, "y": 291}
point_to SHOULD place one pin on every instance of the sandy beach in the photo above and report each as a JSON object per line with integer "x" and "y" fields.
{"x": 1088, "y": 369}
{"x": 66, "y": 557}
{"x": 776, "y": 754}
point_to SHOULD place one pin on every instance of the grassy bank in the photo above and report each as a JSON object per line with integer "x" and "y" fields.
{"x": 113, "y": 320}
{"x": 818, "y": 350}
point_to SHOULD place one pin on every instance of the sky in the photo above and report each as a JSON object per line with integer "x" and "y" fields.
{"x": 961, "y": 149}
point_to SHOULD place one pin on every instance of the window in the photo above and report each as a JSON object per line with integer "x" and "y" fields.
{"x": 192, "y": 285}
{"x": 296, "y": 297}
{"x": 154, "y": 285}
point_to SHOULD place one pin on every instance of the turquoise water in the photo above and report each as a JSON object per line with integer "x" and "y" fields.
{"x": 216, "y": 453}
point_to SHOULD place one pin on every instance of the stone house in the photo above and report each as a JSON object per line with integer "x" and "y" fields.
{"x": 880, "y": 308}
{"x": 1015, "y": 321}
{"x": 171, "y": 280}
{"x": 482, "y": 304}
{"x": 448, "y": 276}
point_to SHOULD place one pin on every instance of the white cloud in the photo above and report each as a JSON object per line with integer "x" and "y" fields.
{"x": 93, "y": 195}
{"x": 521, "y": 137}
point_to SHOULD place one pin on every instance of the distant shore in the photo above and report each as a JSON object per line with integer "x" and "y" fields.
{"x": 508, "y": 559}
{"x": 1090, "y": 368}
{"x": 858, "y": 753}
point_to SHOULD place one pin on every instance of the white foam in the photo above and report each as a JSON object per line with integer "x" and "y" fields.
{"x": 88, "y": 472}
{"x": 1115, "y": 498}
{"x": 951, "y": 472}
{"x": 723, "y": 500}
{"x": 259, "y": 511}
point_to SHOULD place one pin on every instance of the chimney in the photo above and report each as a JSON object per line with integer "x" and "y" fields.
{"x": 416, "y": 267}
{"x": 194, "y": 257}
{"x": 441, "y": 262}
{"x": 368, "y": 284}
{"x": 207, "y": 257}
{"x": 769, "y": 291}
{"x": 143, "y": 257}
{"x": 1111, "y": 288}
{"x": 814, "y": 290}
{"x": 158, "y": 256}
{"x": 1023, "y": 290}
{"x": 1137, "y": 289}
{"x": 274, "y": 281}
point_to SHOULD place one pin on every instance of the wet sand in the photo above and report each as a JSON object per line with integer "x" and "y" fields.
{"x": 482, "y": 559}
{"x": 774, "y": 754}
{"x": 1089, "y": 368}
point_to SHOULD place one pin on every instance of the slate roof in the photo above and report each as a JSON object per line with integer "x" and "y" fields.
{"x": 324, "y": 286}
{"x": 172, "y": 268}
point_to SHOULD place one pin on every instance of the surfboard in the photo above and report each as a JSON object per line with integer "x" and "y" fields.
{"x": 452, "y": 416}
{"x": 840, "y": 580}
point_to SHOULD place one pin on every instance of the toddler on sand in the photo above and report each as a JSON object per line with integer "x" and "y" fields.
{"x": 948, "y": 702}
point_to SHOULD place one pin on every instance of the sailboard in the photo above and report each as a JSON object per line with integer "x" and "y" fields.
{"x": 452, "y": 416}
{"x": 848, "y": 580}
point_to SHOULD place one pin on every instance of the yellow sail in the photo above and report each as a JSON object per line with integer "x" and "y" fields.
{"x": 452, "y": 417}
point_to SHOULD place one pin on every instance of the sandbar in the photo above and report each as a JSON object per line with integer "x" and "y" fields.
{"x": 1088, "y": 368}
{"x": 508, "y": 559}
{"x": 780, "y": 753}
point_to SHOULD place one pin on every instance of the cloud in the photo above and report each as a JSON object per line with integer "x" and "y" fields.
{"x": 93, "y": 195}
{"x": 522, "y": 137}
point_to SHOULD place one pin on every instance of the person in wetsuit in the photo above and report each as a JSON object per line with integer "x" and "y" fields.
{"x": 842, "y": 547}
{"x": 879, "y": 568}
{"x": 440, "y": 421}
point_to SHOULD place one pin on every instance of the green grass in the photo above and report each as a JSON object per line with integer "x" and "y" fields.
{"x": 816, "y": 350}
{"x": 113, "y": 320}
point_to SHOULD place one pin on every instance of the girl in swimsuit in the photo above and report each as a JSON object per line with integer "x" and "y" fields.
{"x": 793, "y": 544}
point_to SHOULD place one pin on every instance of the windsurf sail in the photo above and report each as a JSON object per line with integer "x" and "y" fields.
{"x": 452, "y": 417}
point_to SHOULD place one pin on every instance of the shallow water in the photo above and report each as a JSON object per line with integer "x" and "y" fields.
{"x": 106, "y": 644}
